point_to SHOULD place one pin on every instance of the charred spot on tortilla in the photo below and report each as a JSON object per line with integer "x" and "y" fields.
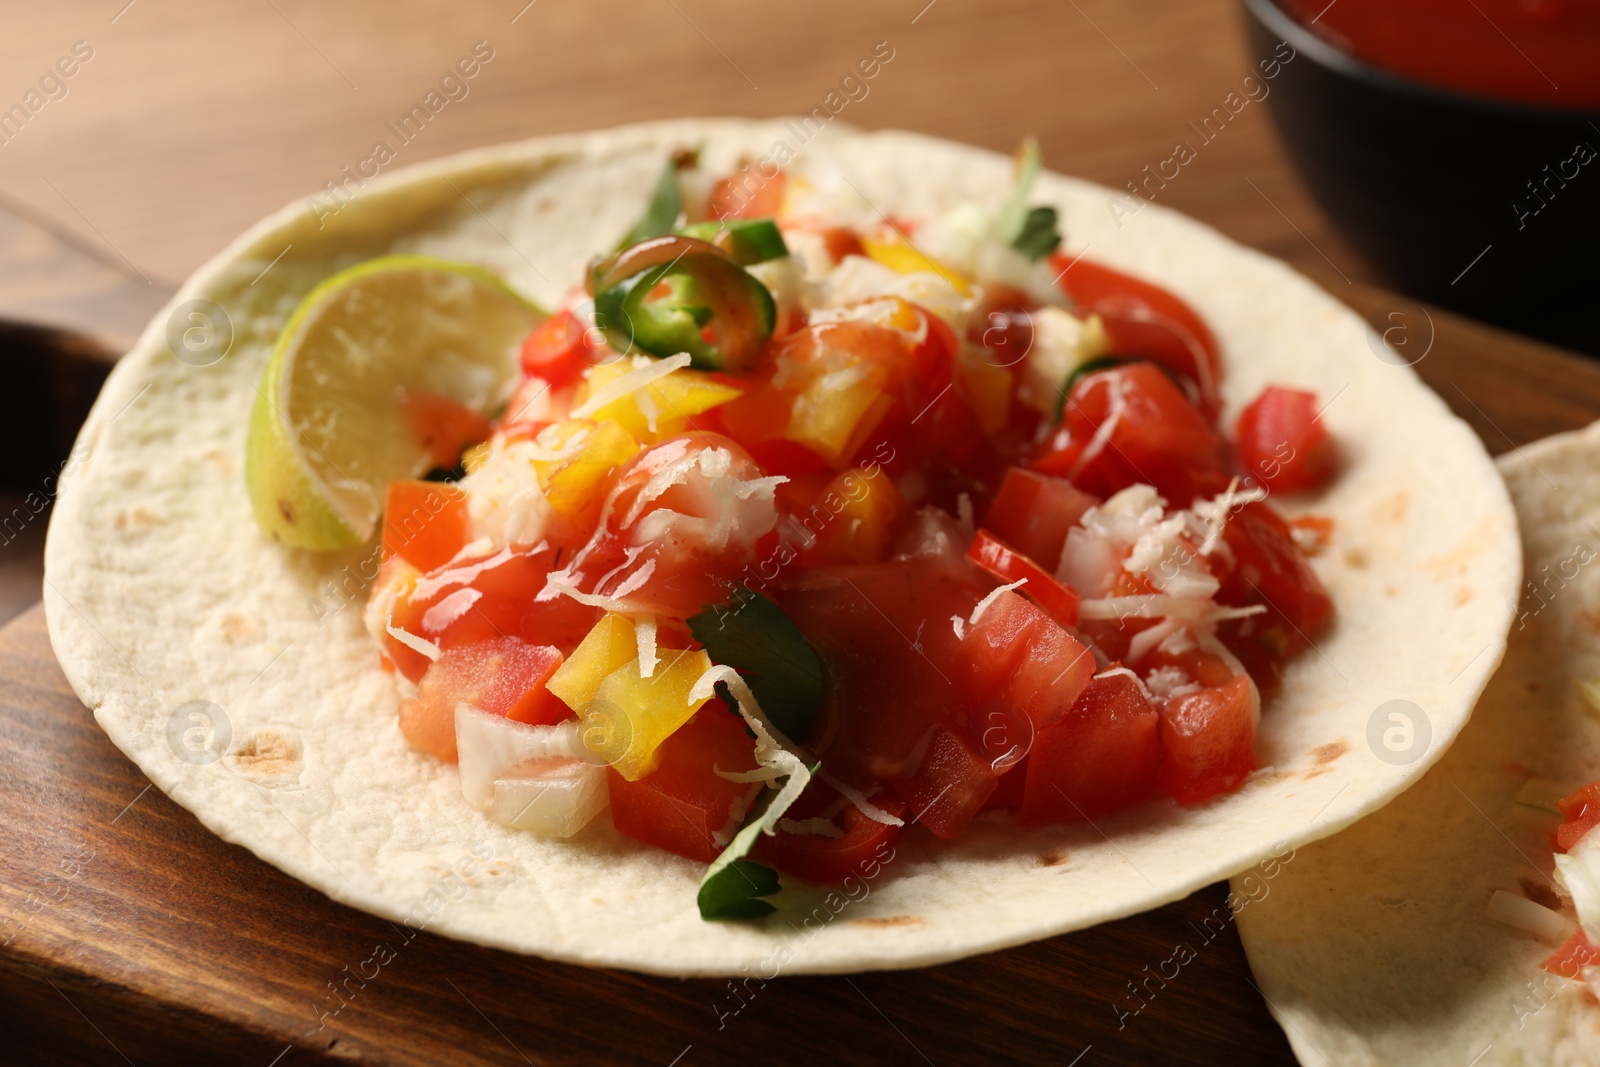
{"x": 267, "y": 755}
{"x": 1325, "y": 754}
{"x": 892, "y": 920}
{"x": 1053, "y": 859}
{"x": 1540, "y": 893}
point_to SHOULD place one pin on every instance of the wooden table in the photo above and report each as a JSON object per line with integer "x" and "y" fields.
{"x": 133, "y": 935}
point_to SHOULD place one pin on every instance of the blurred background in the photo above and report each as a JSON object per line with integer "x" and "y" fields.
{"x": 137, "y": 137}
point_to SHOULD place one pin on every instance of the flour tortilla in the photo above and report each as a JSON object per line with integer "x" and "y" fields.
{"x": 1375, "y": 947}
{"x": 161, "y": 591}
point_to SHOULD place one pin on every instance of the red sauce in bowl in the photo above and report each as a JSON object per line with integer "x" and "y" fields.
{"x": 1534, "y": 51}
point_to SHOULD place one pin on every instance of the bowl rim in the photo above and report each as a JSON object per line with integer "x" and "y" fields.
{"x": 1271, "y": 15}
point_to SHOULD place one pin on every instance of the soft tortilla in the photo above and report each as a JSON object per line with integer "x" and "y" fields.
{"x": 1375, "y": 946}
{"x": 161, "y": 591}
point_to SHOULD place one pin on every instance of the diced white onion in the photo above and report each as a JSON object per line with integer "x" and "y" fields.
{"x": 1578, "y": 872}
{"x": 492, "y": 745}
{"x": 1524, "y": 914}
{"x": 550, "y": 797}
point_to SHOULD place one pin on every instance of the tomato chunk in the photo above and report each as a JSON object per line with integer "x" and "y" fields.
{"x": 1016, "y": 652}
{"x": 884, "y": 632}
{"x": 684, "y": 806}
{"x": 1104, "y": 755}
{"x": 1009, "y": 565}
{"x": 865, "y": 845}
{"x": 505, "y": 676}
{"x": 1034, "y": 511}
{"x": 425, "y": 523}
{"x": 1130, "y": 425}
{"x": 478, "y": 599}
{"x": 1208, "y": 741}
{"x": 558, "y": 350}
{"x": 1581, "y": 811}
{"x": 950, "y": 786}
{"x": 1283, "y": 443}
{"x": 1146, "y": 320}
{"x": 1268, "y": 568}
{"x": 684, "y": 522}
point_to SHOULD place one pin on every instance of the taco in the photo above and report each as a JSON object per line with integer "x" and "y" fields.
{"x": 1459, "y": 924}
{"x": 815, "y": 511}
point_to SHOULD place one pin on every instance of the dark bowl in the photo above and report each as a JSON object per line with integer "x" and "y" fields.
{"x": 1478, "y": 204}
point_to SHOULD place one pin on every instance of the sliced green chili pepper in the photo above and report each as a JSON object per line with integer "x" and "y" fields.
{"x": 677, "y": 294}
{"x": 748, "y": 241}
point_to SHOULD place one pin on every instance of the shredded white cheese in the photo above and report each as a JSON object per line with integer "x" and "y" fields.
{"x": 977, "y": 612}
{"x": 644, "y": 631}
{"x": 859, "y": 799}
{"x": 641, "y": 376}
{"x": 417, "y": 644}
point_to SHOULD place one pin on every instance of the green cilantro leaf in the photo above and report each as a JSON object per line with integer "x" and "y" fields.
{"x": 1039, "y": 236}
{"x": 754, "y": 637}
{"x": 666, "y": 204}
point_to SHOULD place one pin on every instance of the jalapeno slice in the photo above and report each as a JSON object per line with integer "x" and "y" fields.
{"x": 677, "y": 294}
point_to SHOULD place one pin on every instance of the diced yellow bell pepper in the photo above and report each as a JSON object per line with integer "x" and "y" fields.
{"x": 583, "y": 452}
{"x": 853, "y": 519}
{"x": 630, "y": 716}
{"x": 476, "y": 456}
{"x": 606, "y": 648}
{"x": 674, "y": 398}
{"x": 988, "y": 388}
{"x": 835, "y": 412}
{"x": 898, "y": 254}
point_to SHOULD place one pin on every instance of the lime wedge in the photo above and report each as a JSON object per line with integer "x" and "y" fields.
{"x": 326, "y": 434}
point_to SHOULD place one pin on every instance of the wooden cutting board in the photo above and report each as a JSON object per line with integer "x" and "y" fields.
{"x": 128, "y": 933}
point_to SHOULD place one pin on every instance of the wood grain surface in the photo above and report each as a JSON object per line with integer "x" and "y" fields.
{"x": 128, "y": 933}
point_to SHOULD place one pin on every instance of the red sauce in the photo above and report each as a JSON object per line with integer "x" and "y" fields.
{"x": 1535, "y": 51}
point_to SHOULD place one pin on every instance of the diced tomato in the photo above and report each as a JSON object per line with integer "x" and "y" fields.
{"x": 1009, "y": 565}
{"x": 949, "y": 786}
{"x": 1581, "y": 811}
{"x": 443, "y": 427}
{"x": 884, "y": 631}
{"x": 1146, "y": 320}
{"x": 425, "y": 523}
{"x": 505, "y": 676}
{"x": 1201, "y": 667}
{"x": 1267, "y": 568}
{"x": 683, "y": 805}
{"x": 1034, "y": 511}
{"x": 1572, "y": 957}
{"x": 1282, "y": 442}
{"x": 749, "y": 193}
{"x": 1008, "y": 792}
{"x": 865, "y": 844}
{"x": 1208, "y": 741}
{"x": 478, "y": 599}
{"x": 1151, "y": 435}
{"x": 1104, "y": 755}
{"x": 682, "y": 527}
{"x": 1016, "y": 652}
{"x": 558, "y": 350}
